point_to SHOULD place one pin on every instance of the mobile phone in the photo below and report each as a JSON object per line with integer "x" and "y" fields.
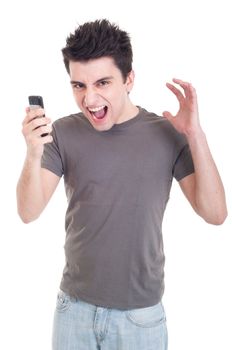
{"x": 36, "y": 101}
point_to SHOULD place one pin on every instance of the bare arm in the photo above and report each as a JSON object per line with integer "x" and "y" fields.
{"x": 36, "y": 185}
{"x": 204, "y": 188}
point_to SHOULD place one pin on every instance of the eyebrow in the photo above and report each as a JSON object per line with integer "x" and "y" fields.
{"x": 73, "y": 82}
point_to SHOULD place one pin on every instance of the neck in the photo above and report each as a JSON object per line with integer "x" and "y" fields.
{"x": 130, "y": 112}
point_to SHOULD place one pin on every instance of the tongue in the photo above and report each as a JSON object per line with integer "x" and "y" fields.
{"x": 100, "y": 114}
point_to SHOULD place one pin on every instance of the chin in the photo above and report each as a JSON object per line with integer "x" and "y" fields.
{"x": 101, "y": 125}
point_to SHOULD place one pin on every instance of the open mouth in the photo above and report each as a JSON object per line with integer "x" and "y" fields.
{"x": 98, "y": 113}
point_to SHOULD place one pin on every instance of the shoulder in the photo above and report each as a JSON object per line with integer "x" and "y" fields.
{"x": 162, "y": 128}
{"x": 157, "y": 121}
{"x": 70, "y": 125}
{"x": 69, "y": 121}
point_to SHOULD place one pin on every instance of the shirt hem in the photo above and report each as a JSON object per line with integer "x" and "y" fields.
{"x": 119, "y": 306}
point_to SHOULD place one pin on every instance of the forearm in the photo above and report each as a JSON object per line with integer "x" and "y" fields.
{"x": 210, "y": 202}
{"x": 30, "y": 197}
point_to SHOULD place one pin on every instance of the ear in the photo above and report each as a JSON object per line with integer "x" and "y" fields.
{"x": 130, "y": 81}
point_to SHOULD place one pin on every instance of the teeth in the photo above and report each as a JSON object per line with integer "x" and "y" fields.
{"x": 96, "y": 109}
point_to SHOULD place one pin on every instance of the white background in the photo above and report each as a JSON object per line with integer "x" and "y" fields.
{"x": 184, "y": 39}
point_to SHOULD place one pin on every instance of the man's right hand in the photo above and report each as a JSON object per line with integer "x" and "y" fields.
{"x": 34, "y": 125}
{"x": 36, "y": 185}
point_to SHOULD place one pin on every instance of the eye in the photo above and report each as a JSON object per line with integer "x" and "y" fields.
{"x": 103, "y": 83}
{"x": 78, "y": 86}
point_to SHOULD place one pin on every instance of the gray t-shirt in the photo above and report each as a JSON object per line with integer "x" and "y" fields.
{"x": 117, "y": 184}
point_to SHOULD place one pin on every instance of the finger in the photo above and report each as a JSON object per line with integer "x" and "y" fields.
{"x": 167, "y": 115}
{"x": 176, "y": 92}
{"x": 44, "y": 129}
{"x": 35, "y": 138}
{"x": 189, "y": 90}
{"x": 47, "y": 139}
{"x": 35, "y": 122}
{"x": 179, "y": 81}
{"x": 34, "y": 125}
{"x": 38, "y": 141}
{"x": 32, "y": 114}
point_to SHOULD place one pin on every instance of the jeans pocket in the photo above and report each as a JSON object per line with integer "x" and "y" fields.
{"x": 63, "y": 302}
{"x": 147, "y": 317}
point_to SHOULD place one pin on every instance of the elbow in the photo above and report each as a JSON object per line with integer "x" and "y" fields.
{"x": 220, "y": 220}
{"x": 27, "y": 213}
{"x": 217, "y": 219}
{"x": 25, "y": 220}
{"x": 26, "y": 217}
{"x": 214, "y": 216}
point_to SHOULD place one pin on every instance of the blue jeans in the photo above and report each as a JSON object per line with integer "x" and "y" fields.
{"x": 82, "y": 326}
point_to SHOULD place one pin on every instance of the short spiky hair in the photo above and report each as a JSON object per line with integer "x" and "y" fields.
{"x": 98, "y": 39}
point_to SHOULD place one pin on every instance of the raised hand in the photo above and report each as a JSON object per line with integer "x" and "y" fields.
{"x": 33, "y": 128}
{"x": 186, "y": 120}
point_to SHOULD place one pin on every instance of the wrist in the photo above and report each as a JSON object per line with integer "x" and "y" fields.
{"x": 197, "y": 140}
{"x": 33, "y": 158}
{"x": 195, "y": 134}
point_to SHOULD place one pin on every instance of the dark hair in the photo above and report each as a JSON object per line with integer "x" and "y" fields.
{"x": 98, "y": 39}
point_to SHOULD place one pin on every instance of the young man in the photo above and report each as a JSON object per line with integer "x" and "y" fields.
{"x": 118, "y": 162}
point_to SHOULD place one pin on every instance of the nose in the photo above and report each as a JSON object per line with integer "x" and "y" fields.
{"x": 90, "y": 98}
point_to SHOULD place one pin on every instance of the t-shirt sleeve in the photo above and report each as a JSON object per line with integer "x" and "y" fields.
{"x": 51, "y": 158}
{"x": 183, "y": 165}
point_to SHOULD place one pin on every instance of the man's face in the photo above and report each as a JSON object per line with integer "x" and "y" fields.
{"x": 100, "y": 92}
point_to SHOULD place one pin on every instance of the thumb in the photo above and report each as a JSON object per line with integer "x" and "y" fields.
{"x": 167, "y": 115}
